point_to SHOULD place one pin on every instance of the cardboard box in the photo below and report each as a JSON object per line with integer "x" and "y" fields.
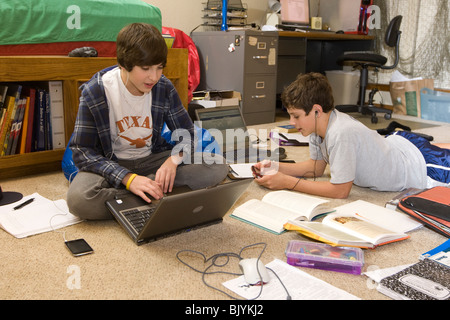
{"x": 212, "y": 99}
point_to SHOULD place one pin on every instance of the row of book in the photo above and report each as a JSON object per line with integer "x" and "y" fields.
{"x": 31, "y": 117}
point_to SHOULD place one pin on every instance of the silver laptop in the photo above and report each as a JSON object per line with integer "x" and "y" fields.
{"x": 175, "y": 213}
{"x": 227, "y": 126}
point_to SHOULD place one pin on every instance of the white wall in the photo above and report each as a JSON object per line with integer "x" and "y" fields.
{"x": 187, "y": 14}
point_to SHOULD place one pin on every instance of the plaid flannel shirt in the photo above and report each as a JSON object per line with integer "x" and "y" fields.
{"x": 91, "y": 143}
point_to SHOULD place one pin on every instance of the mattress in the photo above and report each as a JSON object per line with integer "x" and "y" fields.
{"x": 31, "y": 27}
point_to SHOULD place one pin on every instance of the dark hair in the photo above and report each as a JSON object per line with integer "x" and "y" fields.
{"x": 140, "y": 44}
{"x": 306, "y": 91}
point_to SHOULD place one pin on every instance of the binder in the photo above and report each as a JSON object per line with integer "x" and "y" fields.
{"x": 431, "y": 207}
{"x": 55, "y": 89}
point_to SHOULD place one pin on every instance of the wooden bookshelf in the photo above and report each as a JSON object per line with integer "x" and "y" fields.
{"x": 73, "y": 72}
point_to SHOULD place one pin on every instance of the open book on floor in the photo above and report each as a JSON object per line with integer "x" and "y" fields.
{"x": 358, "y": 224}
{"x": 278, "y": 207}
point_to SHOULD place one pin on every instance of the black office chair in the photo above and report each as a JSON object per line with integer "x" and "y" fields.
{"x": 364, "y": 61}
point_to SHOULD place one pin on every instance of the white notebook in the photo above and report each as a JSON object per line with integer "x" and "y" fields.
{"x": 39, "y": 216}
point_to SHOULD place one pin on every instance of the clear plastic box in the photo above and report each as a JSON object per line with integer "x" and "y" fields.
{"x": 325, "y": 257}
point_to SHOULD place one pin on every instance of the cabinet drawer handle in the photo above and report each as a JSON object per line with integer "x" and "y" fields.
{"x": 262, "y": 96}
{"x": 259, "y": 57}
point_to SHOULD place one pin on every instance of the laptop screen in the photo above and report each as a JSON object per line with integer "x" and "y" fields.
{"x": 295, "y": 12}
{"x": 226, "y": 125}
{"x": 221, "y": 118}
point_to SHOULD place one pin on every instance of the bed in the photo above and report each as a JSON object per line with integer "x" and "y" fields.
{"x": 55, "y": 27}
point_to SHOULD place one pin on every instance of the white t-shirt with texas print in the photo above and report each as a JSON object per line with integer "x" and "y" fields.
{"x": 130, "y": 118}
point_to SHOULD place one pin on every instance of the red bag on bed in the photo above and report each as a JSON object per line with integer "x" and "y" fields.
{"x": 431, "y": 207}
{"x": 182, "y": 40}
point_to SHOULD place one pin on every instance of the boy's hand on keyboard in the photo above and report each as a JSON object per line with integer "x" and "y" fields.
{"x": 142, "y": 185}
{"x": 165, "y": 175}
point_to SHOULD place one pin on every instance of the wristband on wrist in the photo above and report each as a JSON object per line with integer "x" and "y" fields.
{"x": 130, "y": 180}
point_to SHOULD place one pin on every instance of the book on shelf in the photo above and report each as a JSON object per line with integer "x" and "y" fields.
{"x": 55, "y": 89}
{"x": 40, "y": 115}
{"x": 25, "y": 125}
{"x": 278, "y": 207}
{"x": 12, "y": 131}
{"x": 6, "y": 124}
{"x": 3, "y": 91}
{"x": 48, "y": 123}
{"x": 3, "y": 113}
{"x": 424, "y": 280}
{"x": 358, "y": 224}
{"x": 3, "y": 106}
{"x": 31, "y": 92}
{"x": 36, "y": 122}
{"x": 14, "y": 91}
{"x": 24, "y": 130}
{"x": 16, "y": 128}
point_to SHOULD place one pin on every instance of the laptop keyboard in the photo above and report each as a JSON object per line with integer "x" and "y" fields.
{"x": 137, "y": 217}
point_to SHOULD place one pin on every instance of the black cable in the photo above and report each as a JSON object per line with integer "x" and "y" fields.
{"x": 213, "y": 263}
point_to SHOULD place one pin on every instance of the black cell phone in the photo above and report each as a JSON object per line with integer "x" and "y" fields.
{"x": 79, "y": 247}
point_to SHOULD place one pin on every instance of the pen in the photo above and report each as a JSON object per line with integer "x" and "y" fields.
{"x": 23, "y": 204}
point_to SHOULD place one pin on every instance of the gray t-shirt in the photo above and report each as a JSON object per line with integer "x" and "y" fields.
{"x": 359, "y": 154}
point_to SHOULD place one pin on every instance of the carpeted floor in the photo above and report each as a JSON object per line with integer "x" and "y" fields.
{"x": 40, "y": 267}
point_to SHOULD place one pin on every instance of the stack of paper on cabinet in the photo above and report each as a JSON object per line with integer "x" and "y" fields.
{"x": 39, "y": 216}
{"x": 358, "y": 224}
{"x": 278, "y": 207}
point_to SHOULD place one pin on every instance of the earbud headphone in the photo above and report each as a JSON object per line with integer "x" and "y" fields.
{"x": 316, "y": 115}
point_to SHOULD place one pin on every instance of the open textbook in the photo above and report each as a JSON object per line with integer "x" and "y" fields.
{"x": 358, "y": 224}
{"x": 278, "y": 207}
{"x": 41, "y": 215}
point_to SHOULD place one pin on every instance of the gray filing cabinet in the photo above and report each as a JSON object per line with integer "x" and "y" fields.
{"x": 243, "y": 61}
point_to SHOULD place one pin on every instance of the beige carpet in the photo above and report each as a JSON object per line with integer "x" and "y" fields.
{"x": 40, "y": 267}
